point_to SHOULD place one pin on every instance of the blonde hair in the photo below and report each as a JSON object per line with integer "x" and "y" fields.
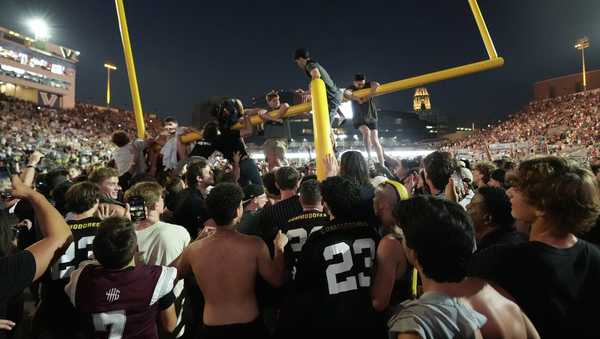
{"x": 275, "y": 146}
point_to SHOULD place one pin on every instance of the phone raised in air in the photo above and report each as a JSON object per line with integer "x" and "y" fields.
{"x": 137, "y": 208}
{"x": 5, "y": 183}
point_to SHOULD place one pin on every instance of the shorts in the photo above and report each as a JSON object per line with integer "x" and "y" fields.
{"x": 254, "y": 329}
{"x": 371, "y": 125}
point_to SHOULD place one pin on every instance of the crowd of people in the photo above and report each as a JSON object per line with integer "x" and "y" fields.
{"x": 78, "y": 137}
{"x": 156, "y": 238}
{"x": 561, "y": 126}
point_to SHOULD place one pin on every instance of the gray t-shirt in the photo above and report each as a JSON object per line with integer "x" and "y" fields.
{"x": 436, "y": 315}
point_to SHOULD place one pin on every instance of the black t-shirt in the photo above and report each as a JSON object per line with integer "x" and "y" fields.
{"x": 276, "y": 130}
{"x": 334, "y": 277}
{"x": 266, "y": 224}
{"x": 366, "y": 112}
{"x": 229, "y": 142}
{"x": 501, "y": 236}
{"x": 16, "y": 273}
{"x": 80, "y": 250}
{"x": 56, "y": 310}
{"x": 298, "y": 229}
{"x": 556, "y": 288}
{"x": 273, "y": 218}
{"x": 190, "y": 210}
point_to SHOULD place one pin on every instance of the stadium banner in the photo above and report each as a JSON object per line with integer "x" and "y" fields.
{"x": 49, "y": 99}
{"x": 464, "y": 154}
{"x": 501, "y": 147}
{"x": 509, "y": 146}
{"x": 522, "y": 145}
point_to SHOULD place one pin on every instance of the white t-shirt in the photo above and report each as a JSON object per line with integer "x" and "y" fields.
{"x": 124, "y": 157}
{"x": 161, "y": 244}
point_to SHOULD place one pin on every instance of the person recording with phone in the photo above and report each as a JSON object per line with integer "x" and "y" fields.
{"x": 19, "y": 270}
{"x": 159, "y": 243}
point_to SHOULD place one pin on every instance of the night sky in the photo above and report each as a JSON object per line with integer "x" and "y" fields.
{"x": 187, "y": 51}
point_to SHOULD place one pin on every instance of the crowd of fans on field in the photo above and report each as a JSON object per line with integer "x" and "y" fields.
{"x": 156, "y": 238}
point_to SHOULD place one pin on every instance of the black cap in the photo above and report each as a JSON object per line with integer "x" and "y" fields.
{"x": 359, "y": 77}
{"x": 252, "y": 191}
{"x": 301, "y": 53}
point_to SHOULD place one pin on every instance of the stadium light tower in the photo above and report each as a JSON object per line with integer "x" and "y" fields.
{"x": 582, "y": 44}
{"x": 109, "y": 68}
{"x": 40, "y": 28}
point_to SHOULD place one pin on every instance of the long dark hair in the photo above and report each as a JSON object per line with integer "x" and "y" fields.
{"x": 354, "y": 167}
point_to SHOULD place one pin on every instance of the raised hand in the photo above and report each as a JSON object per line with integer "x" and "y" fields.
{"x": 19, "y": 189}
{"x": 280, "y": 241}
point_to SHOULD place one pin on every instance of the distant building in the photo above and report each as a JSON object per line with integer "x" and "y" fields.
{"x": 421, "y": 101}
{"x": 436, "y": 121}
{"x": 565, "y": 85}
{"x": 37, "y": 71}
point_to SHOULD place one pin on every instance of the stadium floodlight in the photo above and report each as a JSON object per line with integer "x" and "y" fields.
{"x": 40, "y": 28}
{"x": 109, "y": 67}
{"x": 582, "y": 44}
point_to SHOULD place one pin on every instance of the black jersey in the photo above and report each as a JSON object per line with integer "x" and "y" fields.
{"x": 55, "y": 309}
{"x": 334, "y": 277}
{"x": 273, "y": 218}
{"x": 80, "y": 249}
{"x": 298, "y": 229}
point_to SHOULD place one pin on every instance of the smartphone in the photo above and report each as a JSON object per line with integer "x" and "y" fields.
{"x": 5, "y": 183}
{"x": 137, "y": 208}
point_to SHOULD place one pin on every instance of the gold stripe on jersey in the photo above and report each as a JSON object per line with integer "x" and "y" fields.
{"x": 85, "y": 225}
{"x": 315, "y": 215}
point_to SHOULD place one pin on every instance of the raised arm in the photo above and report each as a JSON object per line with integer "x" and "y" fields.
{"x": 246, "y": 129}
{"x": 315, "y": 74}
{"x": 282, "y": 110}
{"x": 52, "y": 224}
{"x": 28, "y": 174}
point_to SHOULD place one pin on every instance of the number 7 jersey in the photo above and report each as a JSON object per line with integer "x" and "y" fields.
{"x": 334, "y": 277}
{"x": 122, "y": 303}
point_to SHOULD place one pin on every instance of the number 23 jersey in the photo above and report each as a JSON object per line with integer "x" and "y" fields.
{"x": 334, "y": 277}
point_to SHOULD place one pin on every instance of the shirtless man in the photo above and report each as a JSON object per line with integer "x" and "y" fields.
{"x": 225, "y": 264}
